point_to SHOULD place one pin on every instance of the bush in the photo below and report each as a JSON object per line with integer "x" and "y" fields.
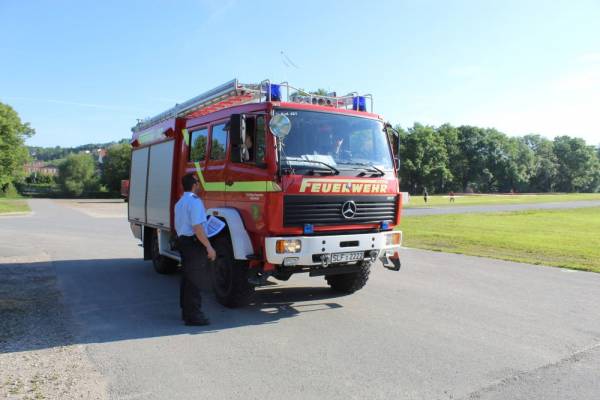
{"x": 40, "y": 178}
{"x": 116, "y": 165}
{"x": 9, "y": 190}
{"x": 77, "y": 174}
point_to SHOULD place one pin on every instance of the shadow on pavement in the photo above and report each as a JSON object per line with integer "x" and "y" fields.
{"x": 97, "y": 301}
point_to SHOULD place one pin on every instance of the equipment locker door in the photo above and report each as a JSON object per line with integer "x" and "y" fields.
{"x": 137, "y": 185}
{"x": 160, "y": 173}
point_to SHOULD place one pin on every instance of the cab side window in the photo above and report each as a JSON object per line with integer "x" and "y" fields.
{"x": 198, "y": 144}
{"x": 254, "y": 145}
{"x": 218, "y": 147}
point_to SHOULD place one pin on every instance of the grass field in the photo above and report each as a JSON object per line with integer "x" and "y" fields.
{"x": 567, "y": 238}
{"x": 417, "y": 201}
{"x": 13, "y": 205}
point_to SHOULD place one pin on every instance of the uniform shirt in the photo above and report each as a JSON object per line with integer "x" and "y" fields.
{"x": 189, "y": 211}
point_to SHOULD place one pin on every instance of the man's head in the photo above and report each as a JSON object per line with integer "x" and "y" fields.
{"x": 190, "y": 183}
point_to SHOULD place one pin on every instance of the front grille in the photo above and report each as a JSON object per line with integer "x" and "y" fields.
{"x": 327, "y": 210}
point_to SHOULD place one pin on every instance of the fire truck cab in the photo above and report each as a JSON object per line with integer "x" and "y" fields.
{"x": 303, "y": 182}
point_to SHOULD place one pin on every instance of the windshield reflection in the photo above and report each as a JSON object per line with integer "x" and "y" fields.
{"x": 336, "y": 140}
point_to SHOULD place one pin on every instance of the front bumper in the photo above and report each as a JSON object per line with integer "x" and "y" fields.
{"x": 317, "y": 250}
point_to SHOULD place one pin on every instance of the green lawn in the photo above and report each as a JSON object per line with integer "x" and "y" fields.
{"x": 475, "y": 199}
{"x": 12, "y": 205}
{"x": 562, "y": 238}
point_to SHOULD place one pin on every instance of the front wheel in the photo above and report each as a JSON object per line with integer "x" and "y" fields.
{"x": 230, "y": 276}
{"x": 163, "y": 265}
{"x": 350, "y": 283}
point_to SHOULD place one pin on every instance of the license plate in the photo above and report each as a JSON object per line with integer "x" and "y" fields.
{"x": 347, "y": 257}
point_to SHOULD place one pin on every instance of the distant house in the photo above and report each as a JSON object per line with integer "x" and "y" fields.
{"x": 41, "y": 167}
{"x": 101, "y": 155}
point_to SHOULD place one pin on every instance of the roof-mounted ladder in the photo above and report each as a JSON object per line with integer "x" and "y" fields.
{"x": 234, "y": 93}
{"x": 225, "y": 95}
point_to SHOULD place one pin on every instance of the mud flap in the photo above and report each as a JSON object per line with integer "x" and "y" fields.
{"x": 391, "y": 262}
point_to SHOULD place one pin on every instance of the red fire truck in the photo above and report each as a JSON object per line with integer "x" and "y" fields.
{"x": 303, "y": 182}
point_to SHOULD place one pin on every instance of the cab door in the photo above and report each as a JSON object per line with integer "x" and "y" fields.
{"x": 247, "y": 180}
{"x": 214, "y": 170}
{"x": 210, "y": 173}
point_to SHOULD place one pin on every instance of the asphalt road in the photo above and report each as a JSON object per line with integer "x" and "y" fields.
{"x": 444, "y": 327}
{"x": 459, "y": 209}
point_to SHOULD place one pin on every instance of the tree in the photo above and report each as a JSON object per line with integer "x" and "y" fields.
{"x": 13, "y": 153}
{"x": 471, "y": 163}
{"x": 77, "y": 174}
{"x": 545, "y": 164}
{"x": 455, "y": 157}
{"x": 578, "y": 167}
{"x": 425, "y": 160}
{"x": 116, "y": 165}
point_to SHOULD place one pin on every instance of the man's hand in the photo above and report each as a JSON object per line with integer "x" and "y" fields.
{"x": 202, "y": 238}
{"x": 211, "y": 253}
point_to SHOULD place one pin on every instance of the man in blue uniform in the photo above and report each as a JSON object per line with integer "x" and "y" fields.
{"x": 194, "y": 246}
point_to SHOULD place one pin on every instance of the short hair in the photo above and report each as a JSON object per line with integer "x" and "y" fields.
{"x": 188, "y": 181}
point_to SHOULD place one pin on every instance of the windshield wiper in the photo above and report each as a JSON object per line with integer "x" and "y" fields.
{"x": 370, "y": 168}
{"x": 333, "y": 169}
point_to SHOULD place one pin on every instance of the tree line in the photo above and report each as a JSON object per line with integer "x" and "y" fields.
{"x": 439, "y": 159}
{"x": 79, "y": 171}
{"x": 468, "y": 158}
{"x": 51, "y": 154}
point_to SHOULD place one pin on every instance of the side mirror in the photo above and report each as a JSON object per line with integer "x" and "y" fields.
{"x": 394, "y": 137}
{"x": 237, "y": 136}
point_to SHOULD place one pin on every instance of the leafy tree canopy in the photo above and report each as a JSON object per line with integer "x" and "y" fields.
{"x": 116, "y": 165}
{"x": 13, "y": 153}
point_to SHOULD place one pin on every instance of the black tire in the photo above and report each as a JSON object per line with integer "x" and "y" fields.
{"x": 349, "y": 283}
{"x": 163, "y": 265}
{"x": 229, "y": 276}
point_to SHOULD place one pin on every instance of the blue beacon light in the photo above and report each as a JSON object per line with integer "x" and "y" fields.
{"x": 275, "y": 92}
{"x": 309, "y": 229}
{"x": 359, "y": 103}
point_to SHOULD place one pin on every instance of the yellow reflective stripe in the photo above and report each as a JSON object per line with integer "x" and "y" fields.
{"x": 209, "y": 186}
{"x": 246, "y": 186}
{"x": 186, "y": 137}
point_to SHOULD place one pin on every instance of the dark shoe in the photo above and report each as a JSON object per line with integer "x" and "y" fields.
{"x": 200, "y": 320}
{"x": 197, "y": 322}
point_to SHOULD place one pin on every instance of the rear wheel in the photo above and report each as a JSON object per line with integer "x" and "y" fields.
{"x": 350, "y": 283}
{"x": 230, "y": 276}
{"x": 162, "y": 265}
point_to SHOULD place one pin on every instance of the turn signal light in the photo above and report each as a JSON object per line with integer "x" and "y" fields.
{"x": 288, "y": 246}
{"x": 395, "y": 239}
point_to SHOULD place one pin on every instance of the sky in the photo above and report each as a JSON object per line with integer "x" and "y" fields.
{"x": 85, "y": 71}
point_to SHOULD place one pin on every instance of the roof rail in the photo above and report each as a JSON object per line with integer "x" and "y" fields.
{"x": 234, "y": 93}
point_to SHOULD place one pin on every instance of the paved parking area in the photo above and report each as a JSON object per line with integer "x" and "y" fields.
{"x": 444, "y": 327}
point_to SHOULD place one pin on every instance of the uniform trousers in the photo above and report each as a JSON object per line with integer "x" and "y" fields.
{"x": 193, "y": 261}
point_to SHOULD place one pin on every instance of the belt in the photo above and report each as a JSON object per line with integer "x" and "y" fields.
{"x": 187, "y": 238}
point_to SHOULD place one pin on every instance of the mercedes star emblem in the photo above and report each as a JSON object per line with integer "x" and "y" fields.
{"x": 349, "y": 209}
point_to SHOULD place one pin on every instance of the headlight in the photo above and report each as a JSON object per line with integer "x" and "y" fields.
{"x": 394, "y": 239}
{"x": 288, "y": 246}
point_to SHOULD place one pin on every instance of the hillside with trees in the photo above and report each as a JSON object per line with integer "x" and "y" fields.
{"x": 469, "y": 158}
{"x": 439, "y": 159}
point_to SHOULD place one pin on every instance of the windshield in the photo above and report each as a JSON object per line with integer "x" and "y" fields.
{"x": 336, "y": 140}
